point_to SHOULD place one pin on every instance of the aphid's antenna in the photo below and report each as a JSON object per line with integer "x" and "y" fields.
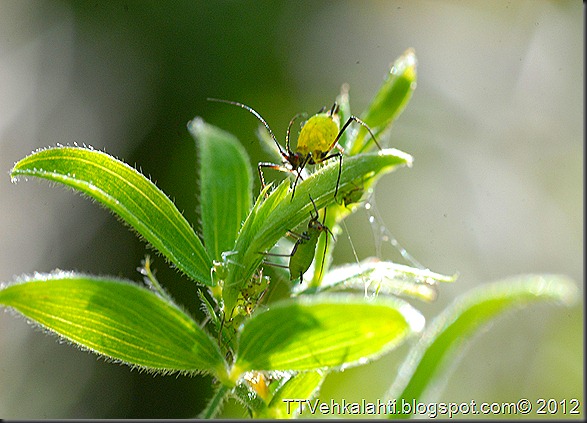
{"x": 315, "y": 208}
{"x": 257, "y": 115}
{"x": 291, "y": 122}
{"x": 325, "y": 245}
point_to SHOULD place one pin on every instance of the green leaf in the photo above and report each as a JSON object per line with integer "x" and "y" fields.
{"x": 226, "y": 186}
{"x": 272, "y": 217}
{"x": 130, "y": 195}
{"x": 444, "y": 338}
{"x": 390, "y": 100}
{"x": 383, "y": 278}
{"x": 117, "y": 319}
{"x": 311, "y": 333}
{"x": 300, "y": 386}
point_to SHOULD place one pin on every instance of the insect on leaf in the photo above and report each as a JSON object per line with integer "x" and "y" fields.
{"x": 274, "y": 216}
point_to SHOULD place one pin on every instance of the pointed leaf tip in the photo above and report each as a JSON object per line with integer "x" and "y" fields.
{"x": 226, "y": 183}
{"x": 115, "y": 318}
{"x": 324, "y": 332}
{"x": 127, "y": 193}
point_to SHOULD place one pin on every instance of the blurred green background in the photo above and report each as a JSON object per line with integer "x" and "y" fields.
{"x": 495, "y": 127}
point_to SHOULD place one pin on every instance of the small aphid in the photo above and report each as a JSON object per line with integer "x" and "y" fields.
{"x": 252, "y": 294}
{"x": 352, "y": 196}
{"x": 303, "y": 251}
{"x": 317, "y": 140}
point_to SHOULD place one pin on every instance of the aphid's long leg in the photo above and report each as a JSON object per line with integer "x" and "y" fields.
{"x": 274, "y": 166}
{"x": 360, "y": 122}
{"x": 299, "y": 170}
{"x": 331, "y": 156}
{"x": 281, "y": 266}
{"x": 301, "y": 239}
{"x": 276, "y": 255}
{"x": 297, "y": 236}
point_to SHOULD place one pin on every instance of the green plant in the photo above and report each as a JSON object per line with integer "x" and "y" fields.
{"x": 263, "y": 347}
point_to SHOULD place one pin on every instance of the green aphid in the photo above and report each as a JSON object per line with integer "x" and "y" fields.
{"x": 317, "y": 140}
{"x": 303, "y": 251}
{"x": 351, "y": 196}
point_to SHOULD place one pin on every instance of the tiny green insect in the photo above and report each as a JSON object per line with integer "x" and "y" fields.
{"x": 317, "y": 140}
{"x": 303, "y": 251}
{"x": 351, "y": 196}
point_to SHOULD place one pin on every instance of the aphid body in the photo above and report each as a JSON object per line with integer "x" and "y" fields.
{"x": 317, "y": 135}
{"x": 303, "y": 251}
{"x": 318, "y": 138}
